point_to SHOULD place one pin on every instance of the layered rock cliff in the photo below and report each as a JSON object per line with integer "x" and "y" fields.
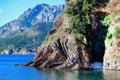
{"x": 67, "y": 46}
{"x": 63, "y": 52}
{"x": 80, "y": 37}
{"x": 112, "y": 52}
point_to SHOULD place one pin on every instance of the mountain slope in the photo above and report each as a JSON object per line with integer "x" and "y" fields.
{"x": 38, "y": 14}
{"x": 30, "y": 29}
{"x": 29, "y": 39}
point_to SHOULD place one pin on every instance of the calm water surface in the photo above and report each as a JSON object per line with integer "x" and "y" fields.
{"x": 10, "y": 72}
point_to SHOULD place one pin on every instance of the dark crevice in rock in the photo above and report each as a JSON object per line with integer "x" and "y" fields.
{"x": 55, "y": 64}
{"x": 62, "y": 50}
{"x": 96, "y": 37}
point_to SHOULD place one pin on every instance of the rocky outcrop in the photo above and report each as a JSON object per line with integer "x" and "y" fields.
{"x": 112, "y": 6}
{"x": 112, "y": 52}
{"x": 12, "y": 51}
{"x": 62, "y": 53}
{"x": 96, "y": 36}
{"x": 112, "y": 56}
{"x": 68, "y": 48}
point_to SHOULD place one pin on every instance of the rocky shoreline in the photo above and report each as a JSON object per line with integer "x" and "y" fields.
{"x": 68, "y": 47}
{"x": 23, "y": 52}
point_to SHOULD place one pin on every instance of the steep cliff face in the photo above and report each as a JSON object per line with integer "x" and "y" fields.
{"x": 63, "y": 52}
{"x": 112, "y": 55}
{"x": 62, "y": 55}
{"x": 112, "y": 6}
{"x": 80, "y": 37}
{"x": 112, "y": 52}
{"x": 68, "y": 45}
{"x": 96, "y": 36}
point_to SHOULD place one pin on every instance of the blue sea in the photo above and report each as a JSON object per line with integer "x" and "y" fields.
{"x": 8, "y": 71}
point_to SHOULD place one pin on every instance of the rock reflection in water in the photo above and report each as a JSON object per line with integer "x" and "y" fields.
{"x": 111, "y": 75}
{"x": 81, "y": 74}
{"x": 74, "y": 74}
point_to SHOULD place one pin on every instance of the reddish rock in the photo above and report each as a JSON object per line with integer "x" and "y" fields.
{"x": 63, "y": 53}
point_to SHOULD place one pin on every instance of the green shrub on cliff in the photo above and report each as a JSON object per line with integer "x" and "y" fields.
{"x": 111, "y": 36}
{"x": 80, "y": 12}
{"x": 107, "y": 20}
{"x": 116, "y": 31}
{"x": 55, "y": 36}
{"x": 29, "y": 39}
{"x": 109, "y": 39}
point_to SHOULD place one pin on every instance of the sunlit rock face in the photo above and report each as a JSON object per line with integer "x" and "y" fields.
{"x": 112, "y": 52}
{"x": 38, "y": 14}
{"x": 63, "y": 50}
{"x": 113, "y": 6}
{"x": 62, "y": 53}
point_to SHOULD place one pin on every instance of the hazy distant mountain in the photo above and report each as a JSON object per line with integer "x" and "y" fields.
{"x": 38, "y": 14}
{"x": 29, "y": 39}
{"x": 30, "y": 29}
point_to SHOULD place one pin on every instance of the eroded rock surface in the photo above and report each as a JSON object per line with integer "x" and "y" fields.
{"x": 112, "y": 52}
{"x": 62, "y": 50}
{"x": 63, "y": 53}
{"x": 112, "y": 55}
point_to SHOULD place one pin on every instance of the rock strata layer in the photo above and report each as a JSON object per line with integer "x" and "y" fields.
{"x": 62, "y": 53}
{"x": 63, "y": 50}
{"x": 112, "y": 52}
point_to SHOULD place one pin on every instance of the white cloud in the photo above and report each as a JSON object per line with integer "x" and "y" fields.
{"x": 0, "y": 10}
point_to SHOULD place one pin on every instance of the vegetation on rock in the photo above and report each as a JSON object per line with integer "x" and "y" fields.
{"x": 112, "y": 41}
{"x": 80, "y": 37}
{"x": 27, "y": 40}
{"x": 80, "y": 15}
{"x": 108, "y": 19}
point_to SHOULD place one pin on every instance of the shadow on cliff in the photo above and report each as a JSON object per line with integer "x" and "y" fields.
{"x": 96, "y": 35}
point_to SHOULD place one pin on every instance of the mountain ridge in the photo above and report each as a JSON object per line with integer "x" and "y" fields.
{"x": 33, "y": 24}
{"x": 38, "y": 14}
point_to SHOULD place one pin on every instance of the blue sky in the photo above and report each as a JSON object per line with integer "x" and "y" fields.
{"x": 12, "y": 9}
